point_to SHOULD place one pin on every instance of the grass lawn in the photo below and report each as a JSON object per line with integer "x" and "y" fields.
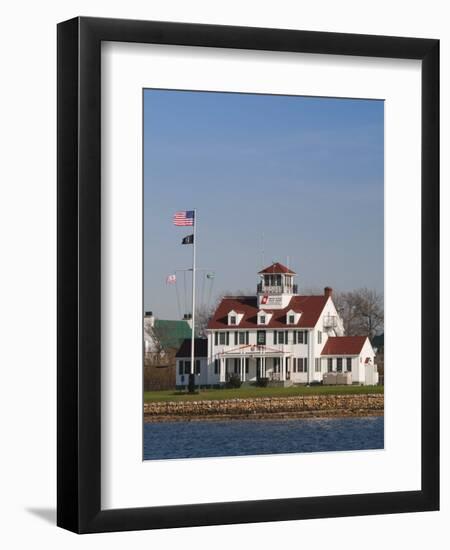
{"x": 253, "y": 391}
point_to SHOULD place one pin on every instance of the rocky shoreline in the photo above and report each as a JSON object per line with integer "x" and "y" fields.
{"x": 309, "y": 406}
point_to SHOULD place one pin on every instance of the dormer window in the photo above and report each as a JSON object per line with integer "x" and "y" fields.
{"x": 235, "y": 317}
{"x": 292, "y": 317}
{"x": 264, "y": 317}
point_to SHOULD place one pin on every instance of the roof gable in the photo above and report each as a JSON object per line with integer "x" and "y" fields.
{"x": 344, "y": 345}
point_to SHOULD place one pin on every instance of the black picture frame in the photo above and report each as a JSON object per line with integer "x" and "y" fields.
{"x": 79, "y": 280}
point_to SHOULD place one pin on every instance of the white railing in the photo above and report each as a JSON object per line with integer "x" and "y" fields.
{"x": 330, "y": 321}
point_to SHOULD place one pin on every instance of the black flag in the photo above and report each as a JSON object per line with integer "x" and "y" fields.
{"x": 188, "y": 240}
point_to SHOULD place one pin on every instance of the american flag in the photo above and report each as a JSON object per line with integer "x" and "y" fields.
{"x": 186, "y": 217}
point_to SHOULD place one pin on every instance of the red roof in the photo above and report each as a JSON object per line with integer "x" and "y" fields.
{"x": 277, "y": 268}
{"x": 310, "y": 308}
{"x": 344, "y": 345}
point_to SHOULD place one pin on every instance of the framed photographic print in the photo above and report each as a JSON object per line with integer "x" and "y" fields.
{"x": 248, "y": 255}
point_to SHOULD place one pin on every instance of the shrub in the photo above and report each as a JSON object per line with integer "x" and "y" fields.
{"x": 262, "y": 382}
{"x": 234, "y": 381}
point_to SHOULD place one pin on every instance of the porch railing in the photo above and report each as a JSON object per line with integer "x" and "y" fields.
{"x": 278, "y": 289}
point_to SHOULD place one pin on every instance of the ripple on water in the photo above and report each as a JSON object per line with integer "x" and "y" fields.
{"x": 258, "y": 437}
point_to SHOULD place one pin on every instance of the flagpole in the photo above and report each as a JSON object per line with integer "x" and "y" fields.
{"x": 194, "y": 244}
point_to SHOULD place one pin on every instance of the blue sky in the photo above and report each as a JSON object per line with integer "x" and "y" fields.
{"x": 307, "y": 173}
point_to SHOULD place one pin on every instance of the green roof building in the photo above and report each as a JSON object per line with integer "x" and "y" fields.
{"x": 162, "y": 335}
{"x": 171, "y": 334}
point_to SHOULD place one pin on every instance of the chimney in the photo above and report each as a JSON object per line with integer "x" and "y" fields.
{"x": 149, "y": 317}
{"x": 327, "y": 291}
{"x": 188, "y": 318}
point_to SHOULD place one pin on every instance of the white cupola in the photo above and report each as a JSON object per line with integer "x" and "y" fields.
{"x": 276, "y": 287}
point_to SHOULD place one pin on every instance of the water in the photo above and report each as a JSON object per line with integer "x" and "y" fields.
{"x": 259, "y": 437}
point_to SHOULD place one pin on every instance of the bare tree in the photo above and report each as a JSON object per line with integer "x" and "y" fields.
{"x": 159, "y": 370}
{"x": 202, "y": 316}
{"x": 361, "y": 310}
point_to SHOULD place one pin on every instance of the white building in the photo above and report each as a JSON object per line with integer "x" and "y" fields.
{"x": 282, "y": 336}
{"x": 201, "y": 363}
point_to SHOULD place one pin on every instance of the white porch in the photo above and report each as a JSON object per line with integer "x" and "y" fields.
{"x": 253, "y": 362}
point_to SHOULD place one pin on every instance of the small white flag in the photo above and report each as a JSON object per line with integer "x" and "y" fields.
{"x": 171, "y": 279}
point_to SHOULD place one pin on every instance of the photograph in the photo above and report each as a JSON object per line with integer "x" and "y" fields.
{"x": 263, "y": 274}
{"x": 225, "y": 224}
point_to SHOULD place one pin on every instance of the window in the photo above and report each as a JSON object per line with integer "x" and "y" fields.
{"x": 262, "y": 319}
{"x": 224, "y": 338}
{"x": 302, "y": 364}
{"x": 187, "y": 367}
{"x": 233, "y": 320}
{"x": 301, "y": 337}
{"x": 216, "y": 366}
{"x": 291, "y": 319}
{"x": 242, "y": 337}
{"x": 197, "y": 366}
{"x": 339, "y": 364}
{"x": 261, "y": 337}
{"x": 349, "y": 364}
{"x": 319, "y": 336}
{"x": 330, "y": 364}
{"x": 180, "y": 367}
{"x": 281, "y": 337}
